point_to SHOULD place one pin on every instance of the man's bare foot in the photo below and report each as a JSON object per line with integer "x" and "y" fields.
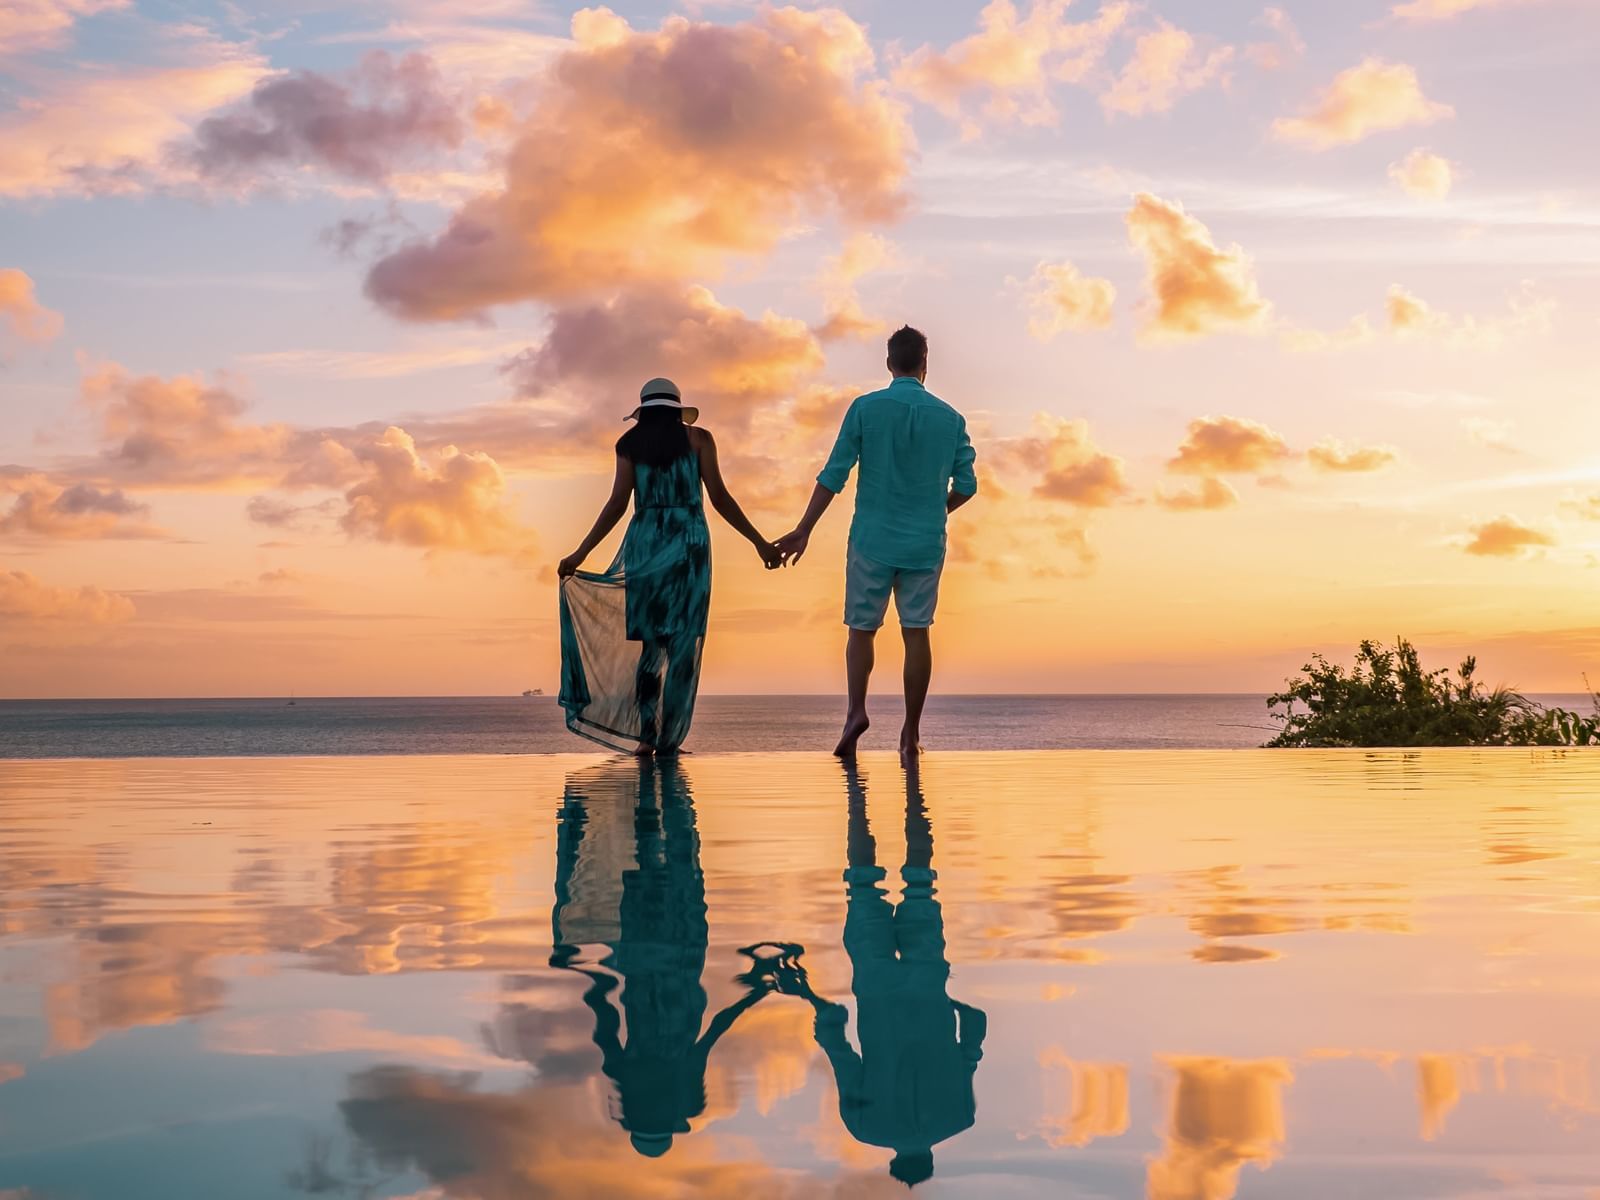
{"x": 910, "y": 746}
{"x": 854, "y": 727}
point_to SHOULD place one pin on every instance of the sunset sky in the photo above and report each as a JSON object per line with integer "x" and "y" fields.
{"x": 1275, "y": 328}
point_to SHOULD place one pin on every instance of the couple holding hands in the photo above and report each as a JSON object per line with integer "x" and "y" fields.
{"x": 631, "y": 637}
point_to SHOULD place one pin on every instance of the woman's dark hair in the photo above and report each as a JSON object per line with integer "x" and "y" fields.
{"x": 658, "y": 437}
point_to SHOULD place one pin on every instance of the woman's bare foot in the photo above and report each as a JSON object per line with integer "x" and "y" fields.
{"x": 644, "y": 752}
{"x": 854, "y": 727}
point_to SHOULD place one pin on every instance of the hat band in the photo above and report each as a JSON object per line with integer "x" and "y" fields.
{"x": 658, "y": 397}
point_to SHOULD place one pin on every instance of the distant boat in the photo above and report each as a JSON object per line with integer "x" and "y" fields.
{"x": 534, "y": 692}
{"x": 291, "y": 703}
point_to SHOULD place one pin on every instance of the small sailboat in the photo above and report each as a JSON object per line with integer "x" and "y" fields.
{"x": 292, "y": 701}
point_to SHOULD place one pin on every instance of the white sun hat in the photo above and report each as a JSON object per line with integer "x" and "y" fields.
{"x": 663, "y": 393}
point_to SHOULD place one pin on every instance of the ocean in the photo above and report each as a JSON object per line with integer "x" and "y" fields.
{"x": 534, "y": 725}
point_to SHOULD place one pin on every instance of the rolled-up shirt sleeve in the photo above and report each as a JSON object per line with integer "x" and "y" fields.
{"x": 963, "y": 478}
{"x": 846, "y": 451}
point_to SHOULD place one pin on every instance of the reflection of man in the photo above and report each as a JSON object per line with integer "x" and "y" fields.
{"x": 656, "y": 951}
{"x": 910, "y": 1087}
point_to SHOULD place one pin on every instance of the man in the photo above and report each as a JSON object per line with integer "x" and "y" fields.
{"x": 916, "y": 468}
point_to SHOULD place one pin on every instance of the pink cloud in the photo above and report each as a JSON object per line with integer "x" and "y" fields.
{"x": 21, "y": 312}
{"x": 677, "y": 149}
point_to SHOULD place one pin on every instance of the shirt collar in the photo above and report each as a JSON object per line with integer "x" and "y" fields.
{"x": 905, "y": 379}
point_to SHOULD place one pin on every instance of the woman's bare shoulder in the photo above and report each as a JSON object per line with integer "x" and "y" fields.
{"x": 699, "y": 438}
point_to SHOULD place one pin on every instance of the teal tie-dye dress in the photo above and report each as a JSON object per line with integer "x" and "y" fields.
{"x": 631, "y": 637}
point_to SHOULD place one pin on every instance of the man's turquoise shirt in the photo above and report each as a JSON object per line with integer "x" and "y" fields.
{"x": 913, "y": 450}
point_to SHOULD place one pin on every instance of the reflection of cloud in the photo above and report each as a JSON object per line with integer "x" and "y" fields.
{"x": 1441, "y": 1078}
{"x": 553, "y": 1142}
{"x": 1370, "y": 98}
{"x": 1421, "y": 11}
{"x": 1197, "y": 288}
{"x": 1096, "y": 1103}
{"x": 1225, "y": 1113}
{"x": 337, "y": 1031}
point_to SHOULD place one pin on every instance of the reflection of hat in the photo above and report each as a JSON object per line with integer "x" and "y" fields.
{"x": 652, "y": 1145}
{"x": 663, "y": 393}
{"x": 912, "y": 1167}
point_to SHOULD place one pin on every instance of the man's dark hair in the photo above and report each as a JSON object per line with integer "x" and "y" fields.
{"x": 908, "y": 351}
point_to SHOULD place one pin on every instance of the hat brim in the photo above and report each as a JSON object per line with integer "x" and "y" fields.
{"x": 690, "y": 413}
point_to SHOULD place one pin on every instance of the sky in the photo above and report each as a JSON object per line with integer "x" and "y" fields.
{"x": 1272, "y": 326}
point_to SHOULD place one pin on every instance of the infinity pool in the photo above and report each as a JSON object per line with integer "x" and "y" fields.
{"x": 1174, "y": 975}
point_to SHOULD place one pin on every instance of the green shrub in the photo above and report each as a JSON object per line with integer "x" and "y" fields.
{"x": 1389, "y": 699}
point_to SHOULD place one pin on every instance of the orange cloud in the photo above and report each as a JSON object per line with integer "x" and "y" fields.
{"x": 27, "y": 25}
{"x": 1197, "y": 288}
{"x": 663, "y": 175}
{"x": 861, "y": 255}
{"x": 1066, "y": 464}
{"x": 46, "y": 509}
{"x": 1420, "y": 11}
{"x": 359, "y": 127}
{"x": 1506, "y": 537}
{"x": 109, "y": 131}
{"x": 21, "y": 312}
{"x": 1167, "y": 63}
{"x": 455, "y": 502}
{"x": 1274, "y": 56}
{"x": 1211, "y": 495}
{"x": 1373, "y": 97}
{"x": 1225, "y": 1113}
{"x": 595, "y": 357}
{"x": 1424, "y": 175}
{"x": 1012, "y": 61}
{"x": 181, "y": 431}
{"x": 1333, "y": 455}
{"x": 1409, "y": 316}
{"x": 1063, "y": 298}
{"x": 25, "y": 598}
{"x": 1228, "y": 446}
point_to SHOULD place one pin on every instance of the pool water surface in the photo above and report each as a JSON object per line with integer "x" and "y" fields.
{"x": 1180, "y": 975}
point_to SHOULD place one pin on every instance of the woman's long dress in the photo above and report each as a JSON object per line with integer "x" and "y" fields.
{"x": 631, "y": 637}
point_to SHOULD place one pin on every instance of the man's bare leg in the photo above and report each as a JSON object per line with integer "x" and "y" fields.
{"x": 919, "y": 671}
{"x": 859, "y": 654}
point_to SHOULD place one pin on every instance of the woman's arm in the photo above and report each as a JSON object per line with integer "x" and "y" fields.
{"x": 610, "y": 514}
{"x": 723, "y": 501}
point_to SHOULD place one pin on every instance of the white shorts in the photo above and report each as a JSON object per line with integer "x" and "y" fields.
{"x": 868, "y": 586}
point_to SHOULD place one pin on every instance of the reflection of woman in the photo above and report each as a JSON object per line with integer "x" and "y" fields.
{"x": 910, "y": 1087}
{"x": 657, "y": 591}
{"x": 656, "y": 951}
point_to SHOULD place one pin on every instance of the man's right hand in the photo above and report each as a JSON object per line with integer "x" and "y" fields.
{"x": 792, "y": 545}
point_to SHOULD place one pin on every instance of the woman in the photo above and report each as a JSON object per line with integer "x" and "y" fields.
{"x": 640, "y": 698}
